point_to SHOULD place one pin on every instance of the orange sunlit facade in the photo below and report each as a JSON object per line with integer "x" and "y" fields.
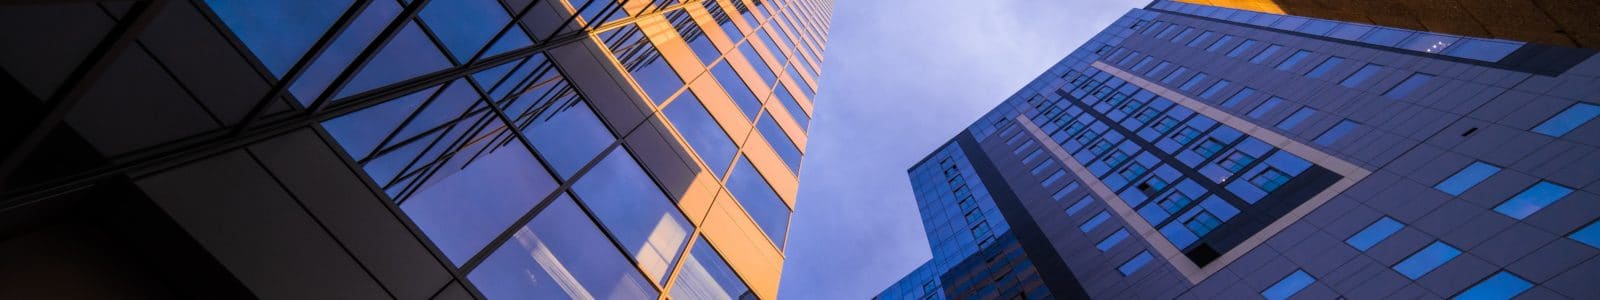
{"x": 1570, "y": 23}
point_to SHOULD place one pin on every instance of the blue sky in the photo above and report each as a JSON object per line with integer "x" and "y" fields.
{"x": 900, "y": 78}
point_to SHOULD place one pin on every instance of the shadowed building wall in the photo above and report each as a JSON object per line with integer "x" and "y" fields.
{"x": 1571, "y": 23}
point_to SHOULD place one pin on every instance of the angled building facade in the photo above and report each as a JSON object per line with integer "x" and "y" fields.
{"x": 1197, "y": 152}
{"x": 370, "y": 149}
{"x": 1568, "y": 23}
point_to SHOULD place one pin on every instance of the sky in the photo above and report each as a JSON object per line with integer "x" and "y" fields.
{"x": 900, "y": 78}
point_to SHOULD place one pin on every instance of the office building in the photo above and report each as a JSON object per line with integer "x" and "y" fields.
{"x": 366, "y": 149}
{"x": 1570, "y": 23}
{"x": 1197, "y": 152}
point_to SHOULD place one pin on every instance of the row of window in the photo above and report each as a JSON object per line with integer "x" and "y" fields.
{"x": 1488, "y": 50}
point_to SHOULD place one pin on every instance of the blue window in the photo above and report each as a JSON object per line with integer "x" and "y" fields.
{"x": 1265, "y": 54}
{"x": 1361, "y": 75}
{"x": 762, "y": 69}
{"x": 1386, "y": 36}
{"x": 1426, "y": 260}
{"x": 1334, "y": 134}
{"x": 1374, "y": 233}
{"x": 1293, "y": 60}
{"x": 1409, "y": 85}
{"x": 1112, "y": 240}
{"x": 279, "y": 32}
{"x": 780, "y": 142}
{"x": 1216, "y": 88}
{"x": 805, "y": 88}
{"x": 771, "y": 46}
{"x": 1288, "y": 286}
{"x": 1186, "y": 32}
{"x": 342, "y": 51}
{"x": 702, "y": 132}
{"x": 1502, "y": 285}
{"x": 693, "y": 35}
{"x": 1238, "y": 97}
{"x": 1568, "y": 119}
{"x": 757, "y": 197}
{"x": 740, "y": 92}
{"x": 569, "y": 136}
{"x": 1467, "y": 178}
{"x": 461, "y": 211}
{"x": 1588, "y": 235}
{"x": 408, "y": 55}
{"x": 705, "y": 275}
{"x": 1041, "y": 167}
{"x": 1240, "y": 50}
{"x": 792, "y": 105}
{"x": 1261, "y": 110}
{"x": 575, "y": 261}
{"x": 1533, "y": 199}
{"x": 724, "y": 20}
{"x": 1193, "y": 82}
{"x": 1203, "y": 37}
{"x": 1142, "y": 63}
{"x": 1219, "y": 43}
{"x": 1270, "y": 179}
{"x": 1159, "y": 67}
{"x": 1324, "y": 67}
{"x": 632, "y": 207}
{"x": 1054, "y": 177}
{"x": 636, "y": 54}
{"x": 1484, "y": 50}
{"x": 465, "y": 26}
{"x": 1062, "y": 193}
{"x": 1135, "y": 263}
{"x": 1094, "y": 222}
{"x": 1202, "y": 223}
{"x": 1294, "y": 120}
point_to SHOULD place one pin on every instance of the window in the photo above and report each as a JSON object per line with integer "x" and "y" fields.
{"x": 641, "y": 58}
{"x": 1265, "y": 54}
{"x": 1174, "y": 202}
{"x": 1466, "y": 178}
{"x": 1174, "y": 76}
{"x": 705, "y": 275}
{"x": 1236, "y": 161}
{"x": 1041, "y": 167}
{"x": 1293, "y": 60}
{"x": 1112, "y": 240}
{"x": 702, "y": 132}
{"x": 315, "y": 79}
{"x": 467, "y": 26}
{"x": 1241, "y": 48}
{"x": 574, "y": 259}
{"x": 568, "y": 138}
{"x": 1193, "y": 82}
{"x": 1209, "y": 147}
{"x": 1269, "y": 179}
{"x": 1333, "y": 134}
{"x": 1568, "y": 119}
{"x": 1166, "y": 123}
{"x": 1134, "y": 170}
{"x": 1082, "y": 203}
{"x": 1294, "y": 120}
{"x": 1216, "y": 88}
{"x": 1219, "y": 43}
{"x": 464, "y": 210}
{"x": 1061, "y": 194}
{"x": 1095, "y": 221}
{"x": 737, "y": 89}
{"x": 1238, "y": 97}
{"x": 1374, "y": 233}
{"x": 792, "y": 105}
{"x": 1324, "y": 67}
{"x": 1128, "y": 59}
{"x": 1142, "y": 63}
{"x": 633, "y": 208}
{"x": 1135, "y": 263}
{"x": 1261, "y": 110}
{"x": 1361, "y": 75}
{"x": 1054, "y": 177}
{"x": 1202, "y": 223}
{"x": 1159, "y": 67}
{"x": 407, "y": 55}
{"x": 1181, "y": 35}
{"x": 1589, "y": 235}
{"x": 780, "y": 142}
{"x": 758, "y": 198}
{"x": 772, "y": 47}
{"x": 1288, "y": 286}
{"x": 1426, "y": 260}
{"x": 1407, "y": 86}
{"x": 1203, "y": 37}
{"x": 1502, "y": 285}
{"x": 1533, "y": 199}
{"x": 279, "y": 32}
{"x": 762, "y": 69}
{"x": 1186, "y": 135}
{"x": 1031, "y": 156}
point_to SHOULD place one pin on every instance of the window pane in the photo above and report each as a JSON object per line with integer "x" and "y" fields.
{"x": 1532, "y": 200}
{"x": 780, "y": 142}
{"x": 635, "y": 211}
{"x": 1466, "y": 178}
{"x": 702, "y": 132}
{"x": 1333, "y": 134}
{"x": 342, "y": 51}
{"x": 1484, "y": 50}
{"x": 772, "y": 47}
{"x": 1324, "y": 67}
{"x": 691, "y": 34}
{"x": 1293, "y": 60}
{"x": 1238, "y": 97}
{"x": 1193, "y": 82}
{"x": 734, "y": 85}
{"x": 792, "y": 105}
{"x": 762, "y": 69}
{"x": 1134, "y": 264}
{"x": 805, "y": 88}
{"x": 1295, "y": 119}
{"x": 360, "y": 132}
{"x": 1588, "y": 235}
{"x": 1174, "y": 75}
{"x": 1265, "y": 107}
{"x": 1361, "y": 75}
{"x": 1406, "y": 87}
{"x": 1242, "y": 48}
{"x": 706, "y": 276}
{"x": 408, "y": 55}
{"x": 1265, "y": 54}
{"x": 757, "y": 197}
{"x": 463, "y": 210}
{"x": 560, "y": 254}
{"x": 1503, "y": 285}
{"x": 1061, "y": 194}
{"x": 465, "y": 26}
{"x": 1568, "y": 119}
{"x": 1217, "y": 88}
{"x": 636, "y": 54}
{"x": 278, "y": 32}
{"x": 1386, "y": 36}
{"x": 1112, "y": 240}
{"x": 1095, "y": 221}
{"x": 1426, "y": 260}
{"x": 568, "y": 135}
{"x": 1054, "y": 177}
{"x": 1288, "y": 286}
{"x": 1374, "y": 233}
{"x": 1078, "y": 206}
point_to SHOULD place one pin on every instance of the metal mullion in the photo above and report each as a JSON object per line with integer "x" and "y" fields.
{"x": 575, "y": 12}
{"x": 421, "y": 108}
{"x": 360, "y": 61}
{"x": 300, "y": 67}
{"x": 444, "y": 130}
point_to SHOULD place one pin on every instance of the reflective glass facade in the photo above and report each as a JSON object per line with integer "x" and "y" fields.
{"x": 1216, "y": 153}
{"x": 429, "y": 149}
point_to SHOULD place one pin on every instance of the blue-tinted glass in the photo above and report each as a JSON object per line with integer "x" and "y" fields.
{"x": 560, "y": 254}
{"x": 723, "y": 20}
{"x": 702, "y": 132}
{"x": 1466, "y": 178}
{"x": 1174, "y": 75}
{"x": 279, "y": 32}
{"x": 1374, "y": 233}
{"x": 592, "y": 11}
{"x": 691, "y": 34}
{"x": 1078, "y": 206}
{"x": 1094, "y": 222}
{"x": 1503, "y": 285}
{"x": 462, "y": 211}
{"x": 1061, "y": 194}
{"x": 635, "y": 211}
{"x": 342, "y": 51}
{"x": 1219, "y": 43}
{"x": 1288, "y": 286}
{"x": 1347, "y": 31}
{"x": 1238, "y": 97}
{"x": 1193, "y": 82}
{"x": 1426, "y": 260}
{"x": 445, "y": 107}
{"x": 780, "y": 142}
{"x": 568, "y": 136}
{"x": 805, "y": 88}
{"x": 643, "y": 61}
{"x": 1295, "y": 119}
{"x": 1406, "y": 87}
{"x": 742, "y": 96}
{"x": 1112, "y": 240}
{"x": 1532, "y": 200}
{"x": 1134, "y": 264}
{"x": 757, "y": 197}
{"x": 1361, "y": 75}
{"x": 1484, "y": 50}
{"x": 1242, "y": 48}
{"x": 408, "y": 55}
{"x": 1428, "y": 42}
{"x": 772, "y": 47}
{"x": 465, "y": 26}
{"x": 1334, "y": 134}
{"x": 1293, "y": 60}
{"x": 1318, "y": 27}
{"x": 1265, "y": 107}
{"x": 1386, "y": 36}
{"x": 1588, "y": 235}
{"x": 360, "y": 132}
{"x": 705, "y": 275}
{"x": 1265, "y": 54}
{"x": 1202, "y": 38}
{"x": 762, "y": 69}
{"x": 793, "y": 106}
{"x": 1324, "y": 67}
{"x": 1568, "y": 119}
{"x": 1216, "y": 88}
{"x": 1054, "y": 177}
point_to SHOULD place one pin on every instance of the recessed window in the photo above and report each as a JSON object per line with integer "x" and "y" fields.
{"x": 1203, "y": 37}
{"x": 1159, "y": 67}
{"x": 1466, "y": 178}
{"x": 1174, "y": 76}
{"x": 1324, "y": 67}
{"x": 1186, "y": 32}
{"x": 1294, "y": 120}
{"x": 1238, "y": 97}
{"x": 1202, "y": 223}
{"x": 1426, "y": 260}
{"x": 1061, "y": 194}
{"x": 1374, "y": 233}
{"x": 1568, "y": 119}
{"x": 1023, "y": 147}
{"x": 1261, "y": 110}
{"x": 1054, "y": 177}
{"x": 1334, "y": 134}
{"x": 1094, "y": 222}
{"x": 1236, "y": 161}
{"x": 1216, "y": 88}
{"x": 1241, "y": 48}
{"x": 1142, "y": 63}
{"x": 1361, "y": 75}
{"x": 1035, "y": 155}
{"x": 1532, "y": 200}
{"x": 1174, "y": 202}
{"x": 1293, "y": 60}
{"x": 1209, "y": 147}
{"x": 1217, "y": 45}
{"x": 1193, "y": 82}
{"x": 1589, "y": 235}
{"x": 1186, "y": 135}
{"x": 1082, "y": 203}
{"x": 1041, "y": 167}
{"x": 1502, "y": 285}
{"x": 1112, "y": 240}
{"x": 1288, "y": 286}
{"x": 1135, "y": 263}
{"x": 1128, "y": 59}
{"x": 1409, "y": 85}
{"x": 1266, "y": 54}
{"x": 1270, "y": 179}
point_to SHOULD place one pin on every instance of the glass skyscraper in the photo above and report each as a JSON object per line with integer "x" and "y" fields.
{"x": 361, "y": 149}
{"x": 1192, "y": 151}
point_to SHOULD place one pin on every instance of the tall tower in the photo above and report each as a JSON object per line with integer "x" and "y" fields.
{"x": 362, "y": 149}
